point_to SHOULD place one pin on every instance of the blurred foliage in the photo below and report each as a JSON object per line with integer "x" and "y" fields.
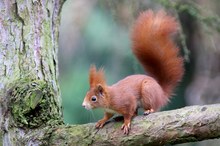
{"x": 211, "y": 21}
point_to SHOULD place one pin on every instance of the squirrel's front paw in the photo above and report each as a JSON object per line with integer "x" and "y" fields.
{"x": 126, "y": 128}
{"x": 100, "y": 124}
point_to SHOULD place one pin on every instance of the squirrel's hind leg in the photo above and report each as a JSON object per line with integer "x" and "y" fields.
{"x": 152, "y": 96}
{"x": 147, "y": 112}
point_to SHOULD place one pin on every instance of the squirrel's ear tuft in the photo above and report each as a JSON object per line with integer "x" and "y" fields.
{"x": 92, "y": 74}
{"x": 96, "y": 77}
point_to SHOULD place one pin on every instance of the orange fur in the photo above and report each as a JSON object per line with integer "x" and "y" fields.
{"x": 96, "y": 77}
{"x": 153, "y": 47}
{"x": 157, "y": 53}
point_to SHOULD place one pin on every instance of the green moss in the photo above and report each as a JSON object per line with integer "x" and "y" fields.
{"x": 1, "y": 137}
{"x": 69, "y": 135}
{"x": 117, "y": 125}
{"x": 32, "y": 103}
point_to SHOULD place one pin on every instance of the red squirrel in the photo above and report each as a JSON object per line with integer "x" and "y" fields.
{"x": 153, "y": 46}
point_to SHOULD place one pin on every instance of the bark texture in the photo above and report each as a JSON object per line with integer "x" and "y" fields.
{"x": 28, "y": 64}
{"x": 189, "y": 124}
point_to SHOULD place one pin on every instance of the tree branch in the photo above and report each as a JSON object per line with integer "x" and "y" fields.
{"x": 189, "y": 124}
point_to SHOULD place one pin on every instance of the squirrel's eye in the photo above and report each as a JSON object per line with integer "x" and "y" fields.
{"x": 94, "y": 98}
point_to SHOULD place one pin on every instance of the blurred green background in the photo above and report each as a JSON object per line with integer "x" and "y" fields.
{"x": 98, "y": 32}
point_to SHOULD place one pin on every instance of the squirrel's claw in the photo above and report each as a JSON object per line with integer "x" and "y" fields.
{"x": 100, "y": 124}
{"x": 126, "y": 128}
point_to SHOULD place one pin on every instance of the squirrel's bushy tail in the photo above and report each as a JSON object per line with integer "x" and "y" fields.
{"x": 154, "y": 48}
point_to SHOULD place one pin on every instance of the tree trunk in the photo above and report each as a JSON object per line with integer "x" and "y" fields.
{"x": 30, "y": 107}
{"x": 29, "y": 91}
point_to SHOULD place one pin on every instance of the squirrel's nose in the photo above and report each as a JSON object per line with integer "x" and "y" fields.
{"x": 84, "y": 105}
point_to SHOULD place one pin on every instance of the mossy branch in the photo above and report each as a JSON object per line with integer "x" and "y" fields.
{"x": 189, "y": 124}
